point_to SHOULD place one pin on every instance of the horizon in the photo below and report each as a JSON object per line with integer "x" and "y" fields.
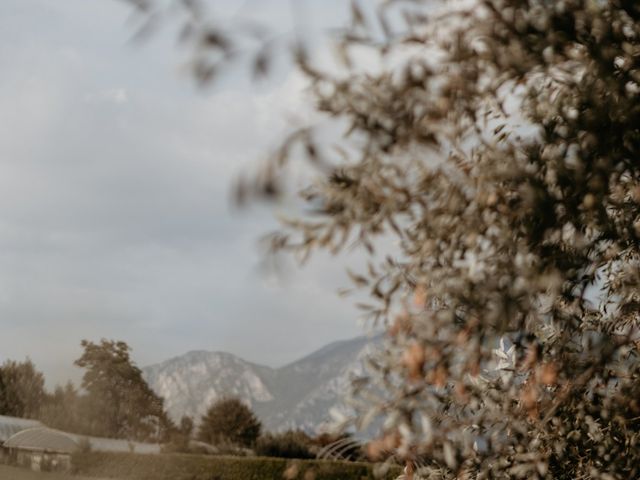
{"x": 76, "y": 380}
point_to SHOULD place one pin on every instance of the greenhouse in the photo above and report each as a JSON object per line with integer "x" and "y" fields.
{"x": 40, "y": 448}
{"x": 12, "y": 425}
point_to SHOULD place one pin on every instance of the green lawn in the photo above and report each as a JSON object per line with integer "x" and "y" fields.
{"x": 15, "y": 473}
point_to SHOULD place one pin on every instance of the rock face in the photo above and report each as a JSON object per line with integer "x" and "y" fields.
{"x": 298, "y": 395}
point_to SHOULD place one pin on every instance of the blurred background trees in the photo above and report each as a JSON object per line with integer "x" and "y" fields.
{"x": 119, "y": 403}
{"x": 229, "y": 420}
{"x": 116, "y": 401}
{"x": 289, "y": 444}
{"x": 22, "y": 391}
{"x": 63, "y": 409}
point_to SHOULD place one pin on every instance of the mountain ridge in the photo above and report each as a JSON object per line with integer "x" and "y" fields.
{"x": 298, "y": 394}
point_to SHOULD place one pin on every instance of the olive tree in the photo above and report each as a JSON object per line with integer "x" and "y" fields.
{"x": 499, "y": 149}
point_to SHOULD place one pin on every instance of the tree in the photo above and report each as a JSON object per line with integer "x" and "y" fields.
{"x": 62, "y": 409}
{"x": 186, "y": 426}
{"x": 289, "y": 444}
{"x": 229, "y": 420}
{"x": 21, "y": 389}
{"x": 179, "y": 438}
{"x": 499, "y": 149}
{"x": 119, "y": 403}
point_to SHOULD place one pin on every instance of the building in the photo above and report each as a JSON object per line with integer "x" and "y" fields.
{"x": 10, "y": 426}
{"x": 40, "y": 449}
{"x": 98, "y": 444}
{"x": 31, "y": 444}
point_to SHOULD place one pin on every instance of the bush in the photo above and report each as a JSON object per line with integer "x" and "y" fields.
{"x": 289, "y": 444}
{"x": 130, "y": 466}
{"x": 228, "y": 420}
{"x": 346, "y": 448}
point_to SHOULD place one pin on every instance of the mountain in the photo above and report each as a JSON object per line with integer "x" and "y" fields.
{"x": 298, "y": 395}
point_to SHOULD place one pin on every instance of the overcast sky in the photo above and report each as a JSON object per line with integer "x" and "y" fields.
{"x": 115, "y": 174}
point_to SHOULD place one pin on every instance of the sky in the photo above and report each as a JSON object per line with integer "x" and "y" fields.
{"x": 115, "y": 179}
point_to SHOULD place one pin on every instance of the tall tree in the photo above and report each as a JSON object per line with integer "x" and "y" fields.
{"x": 186, "y": 426}
{"x": 119, "y": 402}
{"x": 21, "y": 389}
{"x": 229, "y": 420}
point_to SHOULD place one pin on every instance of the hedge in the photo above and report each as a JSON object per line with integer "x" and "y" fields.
{"x": 132, "y": 466}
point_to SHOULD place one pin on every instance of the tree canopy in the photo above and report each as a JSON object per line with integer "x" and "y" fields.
{"x": 229, "y": 420}
{"x": 498, "y": 146}
{"x": 64, "y": 409}
{"x": 21, "y": 389}
{"x": 119, "y": 403}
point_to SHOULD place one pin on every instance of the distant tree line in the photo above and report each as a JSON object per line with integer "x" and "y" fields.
{"x": 114, "y": 401}
{"x": 231, "y": 427}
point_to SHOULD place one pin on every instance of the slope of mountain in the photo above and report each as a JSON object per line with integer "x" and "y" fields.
{"x": 298, "y": 395}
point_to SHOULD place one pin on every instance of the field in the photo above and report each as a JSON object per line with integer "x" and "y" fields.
{"x": 130, "y": 466}
{"x": 15, "y": 473}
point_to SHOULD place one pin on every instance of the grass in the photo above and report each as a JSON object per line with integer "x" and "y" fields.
{"x": 133, "y": 466}
{"x": 17, "y": 473}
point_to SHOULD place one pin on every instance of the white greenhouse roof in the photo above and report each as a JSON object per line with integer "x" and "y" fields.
{"x": 12, "y": 425}
{"x": 42, "y": 439}
{"x": 98, "y": 444}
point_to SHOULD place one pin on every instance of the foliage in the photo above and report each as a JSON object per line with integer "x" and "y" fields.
{"x": 340, "y": 446}
{"x": 498, "y": 147}
{"x": 289, "y": 444}
{"x": 179, "y": 439}
{"x": 196, "y": 467}
{"x": 119, "y": 403}
{"x": 229, "y": 420}
{"x": 62, "y": 409}
{"x": 186, "y": 426}
{"x": 21, "y": 389}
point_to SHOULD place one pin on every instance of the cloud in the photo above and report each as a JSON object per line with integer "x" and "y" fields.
{"x": 114, "y": 201}
{"x": 117, "y": 96}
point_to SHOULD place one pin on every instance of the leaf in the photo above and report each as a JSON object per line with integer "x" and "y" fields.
{"x": 449, "y": 455}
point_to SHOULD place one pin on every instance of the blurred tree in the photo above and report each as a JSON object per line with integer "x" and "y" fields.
{"x": 21, "y": 389}
{"x": 231, "y": 421}
{"x": 186, "y": 426}
{"x": 498, "y": 145}
{"x": 179, "y": 438}
{"x": 62, "y": 409}
{"x": 289, "y": 444}
{"x": 119, "y": 403}
{"x": 339, "y": 446}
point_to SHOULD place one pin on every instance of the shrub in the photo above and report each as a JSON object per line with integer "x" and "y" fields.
{"x": 344, "y": 446}
{"x": 229, "y": 421}
{"x": 289, "y": 444}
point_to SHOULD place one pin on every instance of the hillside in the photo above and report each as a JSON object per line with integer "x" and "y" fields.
{"x": 297, "y": 395}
